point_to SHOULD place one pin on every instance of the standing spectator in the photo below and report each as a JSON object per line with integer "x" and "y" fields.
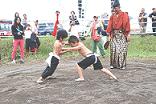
{"x": 73, "y": 19}
{"x": 24, "y": 21}
{"x": 96, "y": 36}
{"x": 153, "y": 17}
{"x": 73, "y": 24}
{"x": 118, "y": 30}
{"x": 56, "y": 23}
{"x": 33, "y": 43}
{"x": 105, "y": 20}
{"x": 18, "y": 32}
{"x": 27, "y": 33}
{"x": 35, "y": 32}
{"x": 103, "y": 26}
{"x": 37, "y": 38}
{"x": 16, "y": 14}
{"x": 142, "y": 20}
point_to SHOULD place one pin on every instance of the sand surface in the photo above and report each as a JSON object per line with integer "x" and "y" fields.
{"x": 137, "y": 84}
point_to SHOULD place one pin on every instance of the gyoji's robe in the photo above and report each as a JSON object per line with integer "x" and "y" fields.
{"x": 119, "y": 21}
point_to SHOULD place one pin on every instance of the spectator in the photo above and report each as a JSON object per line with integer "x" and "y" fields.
{"x": 18, "y": 32}
{"x": 33, "y": 43}
{"x": 73, "y": 24}
{"x": 105, "y": 20}
{"x": 142, "y": 20}
{"x": 118, "y": 30}
{"x": 37, "y": 38}
{"x": 24, "y": 21}
{"x": 16, "y": 14}
{"x": 35, "y": 32}
{"x": 96, "y": 36}
{"x": 27, "y": 33}
{"x": 153, "y": 17}
{"x": 56, "y": 23}
{"x": 103, "y": 26}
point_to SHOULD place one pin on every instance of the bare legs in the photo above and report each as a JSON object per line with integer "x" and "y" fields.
{"x": 80, "y": 73}
{"x": 81, "y": 77}
{"x": 109, "y": 73}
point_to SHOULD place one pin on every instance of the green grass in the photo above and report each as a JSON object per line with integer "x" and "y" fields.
{"x": 139, "y": 47}
{"x": 142, "y": 46}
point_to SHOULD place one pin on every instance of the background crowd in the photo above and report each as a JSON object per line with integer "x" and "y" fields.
{"x": 21, "y": 28}
{"x": 142, "y": 18}
{"x": 114, "y": 30}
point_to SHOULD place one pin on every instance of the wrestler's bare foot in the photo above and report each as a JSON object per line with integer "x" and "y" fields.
{"x": 116, "y": 80}
{"x": 40, "y": 80}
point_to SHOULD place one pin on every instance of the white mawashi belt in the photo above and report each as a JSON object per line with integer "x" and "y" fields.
{"x": 48, "y": 60}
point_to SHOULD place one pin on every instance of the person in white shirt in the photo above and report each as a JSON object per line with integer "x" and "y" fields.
{"x": 28, "y": 33}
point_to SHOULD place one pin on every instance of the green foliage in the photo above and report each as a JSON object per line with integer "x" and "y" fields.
{"x": 138, "y": 47}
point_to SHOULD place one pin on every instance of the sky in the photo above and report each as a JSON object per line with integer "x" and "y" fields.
{"x": 45, "y": 9}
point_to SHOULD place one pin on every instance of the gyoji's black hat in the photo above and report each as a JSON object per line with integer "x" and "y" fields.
{"x": 116, "y": 3}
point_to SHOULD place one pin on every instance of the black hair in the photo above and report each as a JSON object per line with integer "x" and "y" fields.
{"x": 15, "y": 20}
{"x": 57, "y": 11}
{"x": 61, "y": 34}
{"x": 73, "y": 39}
{"x": 36, "y": 21}
{"x": 24, "y": 14}
{"x": 16, "y": 14}
{"x": 95, "y": 16}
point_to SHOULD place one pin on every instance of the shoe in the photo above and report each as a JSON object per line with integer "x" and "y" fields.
{"x": 123, "y": 68}
{"x": 111, "y": 67}
{"x": 79, "y": 79}
{"x": 13, "y": 62}
{"x": 40, "y": 80}
{"x": 21, "y": 61}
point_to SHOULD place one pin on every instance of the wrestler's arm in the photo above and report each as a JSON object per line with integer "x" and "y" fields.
{"x": 72, "y": 48}
{"x": 63, "y": 51}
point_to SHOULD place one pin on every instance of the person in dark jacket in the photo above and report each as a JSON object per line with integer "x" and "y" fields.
{"x": 33, "y": 43}
{"x": 17, "y": 31}
{"x": 153, "y": 17}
